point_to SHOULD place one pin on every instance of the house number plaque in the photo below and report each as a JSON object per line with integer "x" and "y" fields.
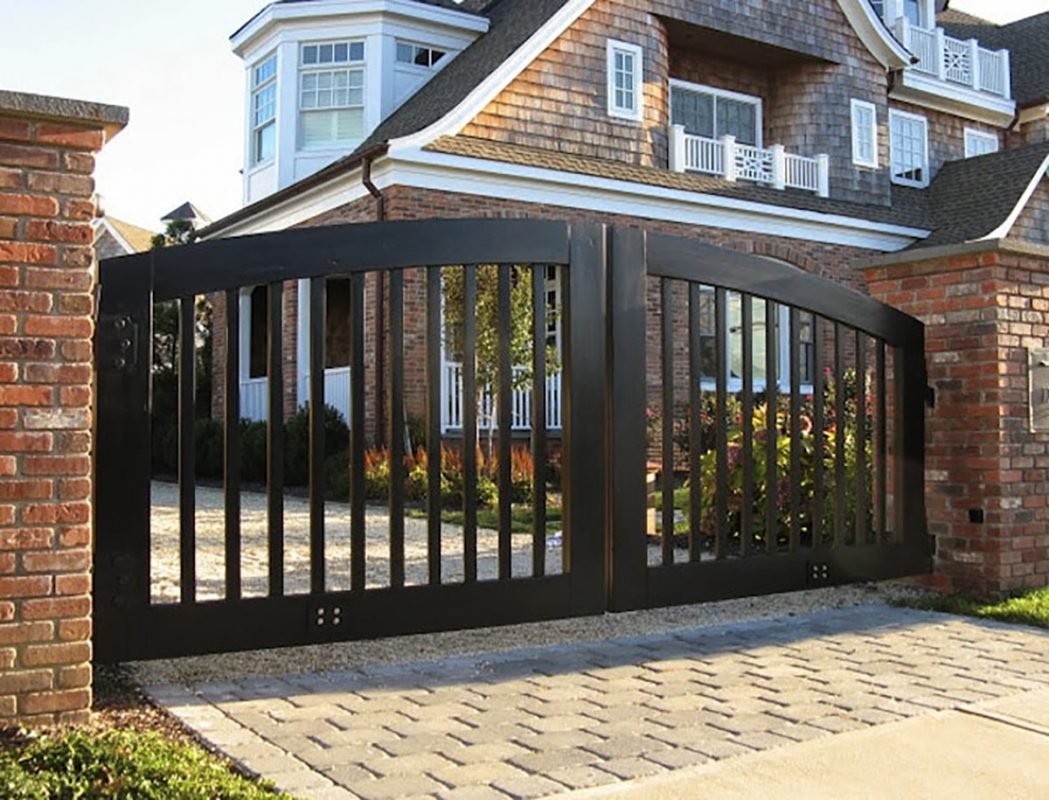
{"x": 1038, "y": 375}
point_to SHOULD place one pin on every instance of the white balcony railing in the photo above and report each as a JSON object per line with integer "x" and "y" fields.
{"x": 254, "y": 394}
{"x": 957, "y": 61}
{"x": 452, "y": 406}
{"x": 728, "y": 159}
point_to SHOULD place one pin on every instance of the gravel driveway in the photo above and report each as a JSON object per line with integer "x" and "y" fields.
{"x": 211, "y": 526}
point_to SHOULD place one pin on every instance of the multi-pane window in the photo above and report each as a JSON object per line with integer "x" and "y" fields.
{"x": 759, "y": 342}
{"x": 264, "y": 111}
{"x": 914, "y": 10}
{"x": 331, "y": 94}
{"x": 418, "y": 55}
{"x": 979, "y": 143}
{"x": 864, "y": 134}
{"x": 713, "y": 113}
{"x": 624, "y": 80}
{"x": 909, "y": 148}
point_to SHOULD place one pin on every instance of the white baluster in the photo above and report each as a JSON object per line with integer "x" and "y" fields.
{"x": 728, "y": 144}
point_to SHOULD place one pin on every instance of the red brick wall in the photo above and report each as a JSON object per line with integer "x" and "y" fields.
{"x": 46, "y": 307}
{"x": 982, "y": 312}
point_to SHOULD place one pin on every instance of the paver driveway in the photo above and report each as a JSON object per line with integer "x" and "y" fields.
{"x": 538, "y": 722}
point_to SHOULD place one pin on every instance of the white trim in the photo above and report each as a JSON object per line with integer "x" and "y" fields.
{"x": 486, "y": 91}
{"x": 754, "y": 100}
{"x": 614, "y": 47}
{"x": 895, "y": 113}
{"x": 858, "y": 159}
{"x": 875, "y": 36}
{"x": 973, "y": 135}
{"x": 912, "y": 86}
{"x": 1003, "y": 230}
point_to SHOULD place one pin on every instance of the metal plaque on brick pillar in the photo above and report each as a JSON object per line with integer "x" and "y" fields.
{"x": 1038, "y": 377}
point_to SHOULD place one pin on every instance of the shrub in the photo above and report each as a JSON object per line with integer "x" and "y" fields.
{"x": 297, "y": 442}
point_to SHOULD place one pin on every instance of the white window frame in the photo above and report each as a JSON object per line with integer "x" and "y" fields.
{"x": 614, "y": 48}
{"x": 739, "y": 97}
{"x": 432, "y": 66}
{"x": 349, "y": 66}
{"x": 895, "y": 114}
{"x": 257, "y": 88}
{"x": 974, "y": 135}
{"x": 858, "y": 108}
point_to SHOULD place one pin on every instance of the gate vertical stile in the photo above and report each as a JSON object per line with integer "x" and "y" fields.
{"x": 626, "y": 430}
{"x": 124, "y": 352}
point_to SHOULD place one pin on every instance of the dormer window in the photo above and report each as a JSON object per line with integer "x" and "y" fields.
{"x": 418, "y": 55}
{"x": 331, "y": 94}
{"x": 264, "y": 111}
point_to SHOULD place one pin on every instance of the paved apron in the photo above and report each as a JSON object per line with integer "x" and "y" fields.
{"x": 538, "y": 722}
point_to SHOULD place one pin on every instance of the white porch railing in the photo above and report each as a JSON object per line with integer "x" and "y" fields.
{"x": 726, "y": 158}
{"x": 957, "y": 61}
{"x": 452, "y": 405}
{"x": 254, "y": 394}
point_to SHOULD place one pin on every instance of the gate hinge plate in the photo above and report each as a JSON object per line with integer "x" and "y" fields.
{"x": 117, "y": 342}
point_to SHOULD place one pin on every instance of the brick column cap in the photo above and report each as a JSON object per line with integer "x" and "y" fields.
{"x": 919, "y": 255}
{"x": 111, "y": 119}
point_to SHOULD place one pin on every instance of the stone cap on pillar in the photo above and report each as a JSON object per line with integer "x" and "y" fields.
{"x": 110, "y": 119}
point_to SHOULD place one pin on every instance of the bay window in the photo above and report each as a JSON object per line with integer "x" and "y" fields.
{"x": 331, "y": 94}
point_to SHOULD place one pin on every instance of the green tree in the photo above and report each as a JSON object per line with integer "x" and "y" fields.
{"x": 488, "y": 329}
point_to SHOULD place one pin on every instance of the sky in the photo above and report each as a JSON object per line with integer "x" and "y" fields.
{"x": 171, "y": 64}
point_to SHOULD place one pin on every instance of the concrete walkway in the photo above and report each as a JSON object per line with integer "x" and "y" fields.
{"x": 542, "y": 722}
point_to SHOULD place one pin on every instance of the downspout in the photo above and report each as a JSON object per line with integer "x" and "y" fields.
{"x": 380, "y": 307}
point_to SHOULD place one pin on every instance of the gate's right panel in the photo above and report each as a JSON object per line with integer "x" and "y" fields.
{"x": 766, "y": 428}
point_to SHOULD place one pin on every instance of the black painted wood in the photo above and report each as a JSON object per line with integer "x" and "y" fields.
{"x": 818, "y": 427}
{"x": 275, "y": 438}
{"x": 667, "y": 468}
{"x": 397, "y": 422}
{"x": 794, "y": 541}
{"x": 539, "y": 420}
{"x": 505, "y": 407}
{"x": 839, "y": 439}
{"x": 747, "y": 511}
{"x": 695, "y": 423}
{"x": 771, "y": 426}
{"x": 860, "y": 523}
{"x": 318, "y": 329}
{"x": 187, "y": 485}
{"x": 721, "y": 428}
{"x": 470, "y": 423}
{"x": 433, "y": 423}
{"x": 358, "y": 435}
{"x": 231, "y": 446}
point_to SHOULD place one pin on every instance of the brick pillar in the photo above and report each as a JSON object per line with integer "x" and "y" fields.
{"x": 47, "y": 148}
{"x": 987, "y": 475}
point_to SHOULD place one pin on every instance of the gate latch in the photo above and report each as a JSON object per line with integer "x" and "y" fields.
{"x": 117, "y": 342}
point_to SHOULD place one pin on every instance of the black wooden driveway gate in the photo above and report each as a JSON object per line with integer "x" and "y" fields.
{"x": 863, "y": 498}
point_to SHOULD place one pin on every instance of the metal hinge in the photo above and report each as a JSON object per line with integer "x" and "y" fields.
{"x": 117, "y": 342}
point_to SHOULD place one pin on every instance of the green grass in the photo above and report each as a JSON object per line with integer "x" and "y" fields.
{"x": 1029, "y": 608}
{"x": 520, "y": 518}
{"x": 119, "y": 764}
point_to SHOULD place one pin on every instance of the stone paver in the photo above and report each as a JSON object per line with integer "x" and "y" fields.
{"x": 548, "y": 720}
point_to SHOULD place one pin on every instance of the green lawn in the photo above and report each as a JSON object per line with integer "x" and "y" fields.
{"x": 520, "y": 518}
{"x": 119, "y": 764}
{"x": 1029, "y": 608}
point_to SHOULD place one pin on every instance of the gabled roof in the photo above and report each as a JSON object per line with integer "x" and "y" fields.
{"x": 1026, "y": 41}
{"x": 186, "y": 211}
{"x": 131, "y": 237}
{"x": 980, "y": 198}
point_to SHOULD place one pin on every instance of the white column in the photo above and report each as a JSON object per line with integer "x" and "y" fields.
{"x": 941, "y": 54}
{"x": 823, "y": 170}
{"x": 1007, "y": 76}
{"x": 728, "y": 145}
{"x": 974, "y": 60}
{"x": 892, "y": 13}
{"x": 903, "y": 30}
{"x": 779, "y": 166}
{"x": 677, "y": 148}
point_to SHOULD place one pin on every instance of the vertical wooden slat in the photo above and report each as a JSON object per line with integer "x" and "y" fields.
{"x": 861, "y": 439}
{"x": 721, "y": 403}
{"x": 186, "y": 451}
{"x": 433, "y": 425}
{"x": 839, "y": 434}
{"x": 667, "y": 350}
{"x": 470, "y": 423}
{"x": 746, "y": 525}
{"x": 818, "y": 426}
{"x": 358, "y": 439}
{"x": 795, "y": 429}
{"x": 505, "y": 403}
{"x": 881, "y": 464}
{"x": 231, "y": 449}
{"x": 695, "y": 422}
{"x": 397, "y": 422}
{"x": 275, "y": 438}
{"x": 316, "y": 433}
{"x": 772, "y": 432}
{"x": 539, "y": 412}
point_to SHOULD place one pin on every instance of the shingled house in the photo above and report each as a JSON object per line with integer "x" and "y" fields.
{"x": 825, "y": 134}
